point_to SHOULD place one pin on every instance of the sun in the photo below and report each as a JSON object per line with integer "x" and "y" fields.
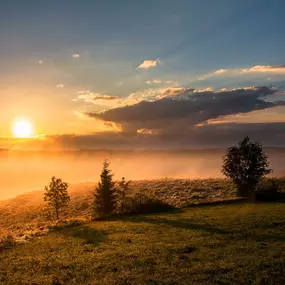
{"x": 22, "y": 128}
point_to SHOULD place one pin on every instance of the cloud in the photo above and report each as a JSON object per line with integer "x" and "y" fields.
{"x": 105, "y": 97}
{"x": 40, "y": 62}
{"x": 76, "y": 55}
{"x": 149, "y": 63}
{"x": 158, "y": 81}
{"x": 271, "y": 115}
{"x": 184, "y": 108}
{"x": 217, "y": 72}
{"x": 175, "y": 91}
{"x": 257, "y": 69}
{"x": 153, "y": 94}
{"x": 278, "y": 69}
{"x": 154, "y": 81}
{"x": 223, "y": 135}
{"x": 92, "y": 97}
{"x": 59, "y": 86}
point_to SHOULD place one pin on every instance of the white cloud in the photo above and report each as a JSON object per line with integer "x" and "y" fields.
{"x": 149, "y": 63}
{"x": 89, "y": 98}
{"x": 279, "y": 69}
{"x": 101, "y": 101}
{"x": 154, "y": 81}
{"x": 208, "y": 89}
{"x": 158, "y": 81}
{"x": 59, "y": 86}
{"x": 217, "y": 72}
{"x": 76, "y": 55}
{"x": 220, "y": 71}
{"x": 257, "y": 69}
{"x": 40, "y": 62}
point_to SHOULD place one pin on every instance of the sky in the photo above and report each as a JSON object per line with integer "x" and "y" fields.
{"x": 146, "y": 74}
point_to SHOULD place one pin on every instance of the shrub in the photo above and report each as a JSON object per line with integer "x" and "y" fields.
{"x": 269, "y": 185}
{"x": 7, "y": 242}
{"x": 121, "y": 192}
{"x": 144, "y": 204}
{"x": 268, "y": 190}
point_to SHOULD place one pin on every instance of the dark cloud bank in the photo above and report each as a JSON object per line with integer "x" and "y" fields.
{"x": 179, "y": 120}
{"x": 187, "y": 109}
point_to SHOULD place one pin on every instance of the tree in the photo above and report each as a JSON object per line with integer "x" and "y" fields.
{"x": 121, "y": 195}
{"x": 124, "y": 185}
{"x": 246, "y": 164}
{"x": 105, "y": 193}
{"x": 56, "y": 195}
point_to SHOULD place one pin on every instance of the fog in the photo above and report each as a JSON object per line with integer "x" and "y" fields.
{"x": 27, "y": 171}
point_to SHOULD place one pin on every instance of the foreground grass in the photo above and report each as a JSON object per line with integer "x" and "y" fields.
{"x": 225, "y": 244}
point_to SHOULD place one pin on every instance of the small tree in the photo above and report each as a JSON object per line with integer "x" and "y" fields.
{"x": 246, "y": 164}
{"x": 105, "y": 193}
{"x": 121, "y": 195}
{"x": 56, "y": 195}
{"x": 124, "y": 185}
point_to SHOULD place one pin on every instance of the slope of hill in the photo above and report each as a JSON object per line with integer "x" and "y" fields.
{"x": 229, "y": 244}
{"x": 178, "y": 192}
{"x": 26, "y": 215}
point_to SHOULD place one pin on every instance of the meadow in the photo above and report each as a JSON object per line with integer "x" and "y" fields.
{"x": 26, "y": 215}
{"x": 218, "y": 244}
{"x": 234, "y": 243}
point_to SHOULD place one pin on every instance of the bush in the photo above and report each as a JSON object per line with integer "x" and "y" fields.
{"x": 143, "y": 204}
{"x": 7, "y": 242}
{"x": 269, "y": 185}
{"x": 60, "y": 225}
{"x": 268, "y": 190}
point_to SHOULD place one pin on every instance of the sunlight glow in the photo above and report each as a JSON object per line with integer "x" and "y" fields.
{"x": 22, "y": 128}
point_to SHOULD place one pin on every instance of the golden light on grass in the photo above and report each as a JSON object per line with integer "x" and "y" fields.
{"x": 22, "y": 128}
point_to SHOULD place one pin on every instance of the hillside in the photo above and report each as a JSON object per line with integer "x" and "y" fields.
{"x": 229, "y": 244}
{"x": 30, "y": 207}
{"x": 27, "y": 216}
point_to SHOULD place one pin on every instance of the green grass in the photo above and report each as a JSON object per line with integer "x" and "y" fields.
{"x": 222, "y": 244}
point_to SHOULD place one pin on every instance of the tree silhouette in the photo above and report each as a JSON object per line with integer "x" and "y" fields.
{"x": 105, "y": 193}
{"x": 56, "y": 194}
{"x": 246, "y": 164}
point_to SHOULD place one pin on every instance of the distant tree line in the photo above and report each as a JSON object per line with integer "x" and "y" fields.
{"x": 245, "y": 164}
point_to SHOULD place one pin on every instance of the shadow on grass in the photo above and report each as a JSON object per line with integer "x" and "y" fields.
{"x": 205, "y": 227}
{"x": 236, "y": 201}
{"x": 87, "y": 234}
{"x": 182, "y": 224}
{"x": 271, "y": 238}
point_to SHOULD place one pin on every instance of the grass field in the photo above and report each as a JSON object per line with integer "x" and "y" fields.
{"x": 222, "y": 244}
{"x": 26, "y": 216}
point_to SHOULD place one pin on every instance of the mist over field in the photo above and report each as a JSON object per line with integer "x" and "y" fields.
{"x": 24, "y": 171}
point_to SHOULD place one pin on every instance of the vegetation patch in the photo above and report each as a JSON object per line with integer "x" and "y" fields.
{"x": 222, "y": 244}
